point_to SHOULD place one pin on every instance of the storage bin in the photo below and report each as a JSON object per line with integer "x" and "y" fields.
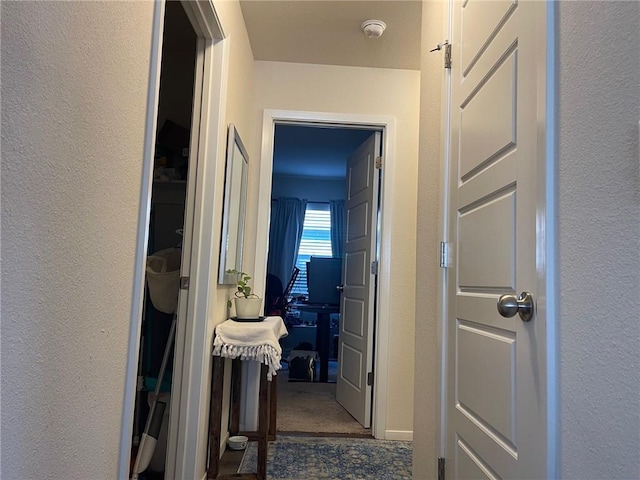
{"x": 163, "y": 279}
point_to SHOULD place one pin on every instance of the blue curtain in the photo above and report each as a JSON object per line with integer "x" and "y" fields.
{"x": 285, "y": 233}
{"x": 337, "y": 227}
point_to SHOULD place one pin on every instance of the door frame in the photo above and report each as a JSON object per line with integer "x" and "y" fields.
{"x": 547, "y": 243}
{"x": 187, "y": 439}
{"x": 387, "y": 125}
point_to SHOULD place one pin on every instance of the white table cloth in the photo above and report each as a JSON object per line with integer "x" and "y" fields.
{"x": 258, "y": 341}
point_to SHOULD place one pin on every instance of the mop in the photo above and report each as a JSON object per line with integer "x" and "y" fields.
{"x": 156, "y": 412}
{"x": 163, "y": 279}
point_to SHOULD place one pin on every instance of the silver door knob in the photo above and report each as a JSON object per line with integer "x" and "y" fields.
{"x": 509, "y": 305}
{"x": 340, "y": 288}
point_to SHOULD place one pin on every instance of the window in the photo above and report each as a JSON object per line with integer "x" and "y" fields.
{"x": 316, "y": 241}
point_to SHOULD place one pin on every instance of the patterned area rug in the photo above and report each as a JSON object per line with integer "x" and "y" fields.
{"x": 310, "y": 458}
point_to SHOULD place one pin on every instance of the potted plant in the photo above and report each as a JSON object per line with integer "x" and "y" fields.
{"x": 248, "y": 304}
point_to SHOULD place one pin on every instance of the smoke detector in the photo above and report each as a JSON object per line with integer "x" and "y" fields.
{"x": 373, "y": 28}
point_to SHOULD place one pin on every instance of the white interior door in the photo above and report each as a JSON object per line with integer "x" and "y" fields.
{"x": 185, "y": 309}
{"x": 496, "y": 381}
{"x": 355, "y": 352}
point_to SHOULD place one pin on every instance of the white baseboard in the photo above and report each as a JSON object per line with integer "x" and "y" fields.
{"x": 406, "y": 435}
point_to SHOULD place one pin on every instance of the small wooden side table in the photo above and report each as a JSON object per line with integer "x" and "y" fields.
{"x": 267, "y": 408}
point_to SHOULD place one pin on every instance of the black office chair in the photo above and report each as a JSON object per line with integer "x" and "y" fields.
{"x": 273, "y": 296}
{"x": 276, "y": 300}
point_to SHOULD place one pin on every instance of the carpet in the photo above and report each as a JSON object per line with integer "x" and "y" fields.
{"x": 310, "y": 458}
{"x": 311, "y": 407}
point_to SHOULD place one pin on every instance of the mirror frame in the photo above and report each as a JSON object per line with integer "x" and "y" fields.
{"x": 235, "y": 201}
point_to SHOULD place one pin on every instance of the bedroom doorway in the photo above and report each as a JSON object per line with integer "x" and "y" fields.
{"x": 308, "y": 193}
{"x": 374, "y": 379}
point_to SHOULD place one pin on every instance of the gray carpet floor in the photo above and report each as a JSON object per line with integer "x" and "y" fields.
{"x": 311, "y": 407}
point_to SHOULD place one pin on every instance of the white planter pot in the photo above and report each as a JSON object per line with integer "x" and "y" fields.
{"x": 248, "y": 307}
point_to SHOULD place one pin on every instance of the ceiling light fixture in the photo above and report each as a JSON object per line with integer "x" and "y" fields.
{"x": 373, "y": 28}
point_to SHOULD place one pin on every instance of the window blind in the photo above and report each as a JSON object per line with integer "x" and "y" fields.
{"x": 316, "y": 241}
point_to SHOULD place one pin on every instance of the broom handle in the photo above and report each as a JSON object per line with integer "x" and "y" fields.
{"x": 165, "y": 358}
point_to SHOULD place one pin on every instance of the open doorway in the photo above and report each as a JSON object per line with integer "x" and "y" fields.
{"x": 186, "y": 442}
{"x": 175, "y": 120}
{"x": 313, "y": 253}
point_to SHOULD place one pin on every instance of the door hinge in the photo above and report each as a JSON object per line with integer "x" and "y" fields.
{"x": 447, "y": 54}
{"x": 378, "y": 163}
{"x": 445, "y": 255}
{"x": 370, "y": 379}
{"x": 374, "y": 267}
{"x": 440, "y": 468}
{"x": 184, "y": 283}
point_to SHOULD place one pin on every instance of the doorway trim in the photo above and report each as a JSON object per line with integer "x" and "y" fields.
{"x": 387, "y": 124}
{"x": 187, "y": 442}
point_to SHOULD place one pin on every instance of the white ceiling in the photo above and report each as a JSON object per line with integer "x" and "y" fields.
{"x": 329, "y": 32}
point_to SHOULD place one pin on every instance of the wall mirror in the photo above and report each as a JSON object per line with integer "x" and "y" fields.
{"x": 235, "y": 199}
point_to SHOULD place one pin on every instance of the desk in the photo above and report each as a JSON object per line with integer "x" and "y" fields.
{"x": 323, "y": 332}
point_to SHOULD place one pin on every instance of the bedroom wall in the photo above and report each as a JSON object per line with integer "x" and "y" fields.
{"x": 75, "y": 78}
{"x": 287, "y": 86}
{"x": 314, "y": 189}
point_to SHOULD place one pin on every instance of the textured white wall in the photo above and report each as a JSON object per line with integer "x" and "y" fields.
{"x": 427, "y": 271}
{"x": 599, "y": 229}
{"x": 239, "y": 103}
{"x": 322, "y": 88}
{"x": 238, "y": 110}
{"x": 74, "y": 90}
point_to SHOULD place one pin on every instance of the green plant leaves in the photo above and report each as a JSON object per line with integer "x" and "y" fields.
{"x": 243, "y": 288}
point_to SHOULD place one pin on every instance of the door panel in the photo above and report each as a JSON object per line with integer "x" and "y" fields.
{"x": 358, "y": 219}
{"x": 469, "y": 465}
{"x": 486, "y": 363}
{"x": 355, "y": 352}
{"x": 486, "y": 245}
{"x": 487, "y": 119}
{"x": 360, "y": 175}
{"x": 480, "y": 21}
{"x": 350, "y": 366}
{"x": 353, "y": 318}
{"x": 496, "y": 396}
{"x": 356, "y": 268}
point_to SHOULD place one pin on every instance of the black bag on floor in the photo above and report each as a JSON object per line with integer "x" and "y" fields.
{"x": 302, "y": 369}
